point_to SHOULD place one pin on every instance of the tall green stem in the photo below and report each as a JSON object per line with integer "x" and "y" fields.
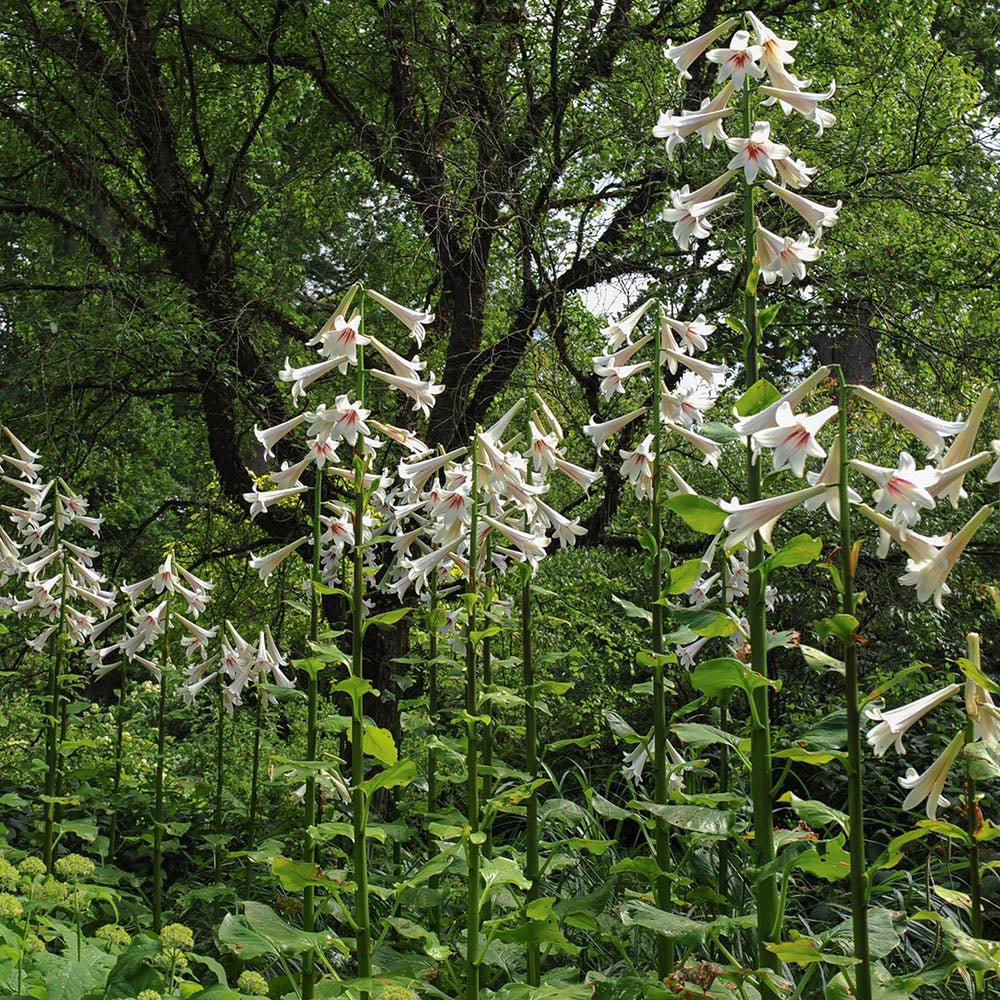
{"x": 531, "y": 869}
{"x": 312, "y": 712}
{"x": 53, "y": 719}
{"x": 760, "y": 733}
{"x": 358, "y": 799}
{"x": 161, "y": 752}
{"x": 972, "y": 827}
{"x": 855, "y": 759}
{"x": 664, "y": 947}
{"x": 254, "y": 787}
{"x": 433, "y": 707}
{"x": 473, "y": 894}
{"x": 220, "y": 745}
{"x": 116, "y": 784}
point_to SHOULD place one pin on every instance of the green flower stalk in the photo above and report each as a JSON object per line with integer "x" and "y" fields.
{"x": 532, "y": 867}
{"x": 974, "y": 822}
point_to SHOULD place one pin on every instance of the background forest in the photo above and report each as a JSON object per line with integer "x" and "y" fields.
{"x": 187, "y": 189}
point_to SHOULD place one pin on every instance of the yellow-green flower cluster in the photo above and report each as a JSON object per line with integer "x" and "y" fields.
{"x": 10, "y": 906}
{"x": 75, "y": 867}
{"x": 31, "y": 867}
{"x": 177, "y": 936}
{"x": 114, "y": 934}
{"x": 252, "y": 983}
{"x": 8, "y": 874}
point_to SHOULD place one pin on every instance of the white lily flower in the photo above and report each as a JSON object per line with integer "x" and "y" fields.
{"x": 260, "y": 500}
{"x": 757, "y": 153}
{"x": 745, "y": 521}
{"x": 265, "y": 565}
{"x": 288, "y": 475}
{"x": 613, "y": 379}
{"x": 984, "y": 713}
{"x": 349, "y": 418}
{"x": 893, "y": 725}
{"x": 930, "y": 576}
{"x": 950, "y": 478}
{"x": 584, "y": 478}
{"x": 818, "y": 216}
{"x": 23, "y": 451}
{"x": 794, "y": 172}
{"x": 600, "y": 432}
{"x": 805, "y": 104}
{"x": 163, "y": 578}
{"x": 620, "y": 333}
{"x": 416, "y": 474}
{"x": 676, "y": 128}
{"x": 406, "y": 438}
{"x": 543, "y": 448}
{"x": 774, "y": 50}
{"x": 829, "y": 476}
{"x": 339, "y": 340}
{"x": 302, "y": 378}
{"x": 683, "y": 56}
{"x": 684, "y": 488}
{"x": 793, "y": 438}
{"x": 270, "y": 436}
{"x": 421, "y": 392}
{"x": 401, "y": 366}
{"x": 781, "y": 256}
{"x": 714, "y": 375}
{"x": 918, "y": 547}
{"x": 566, "y": 529}
{"x": 691, "y": 220}
{"x": 739, "y": 60}
{"x": 906, "y": 488}
{"x": 691, "y": 333}
{"x": 709, "y": 448}
{"x": 532, "y": 545}
{"x": 930, "y": 784}
{"x": 748, "y": 426}
{"x": 684, "y": 197}
{"x": 961, "y": 451}
{"x": 622, "y": 356}
{"x": 415, "y": 320}
{"x": 932, "y": 431}
{"x": 686, "y": 405}
{"x": 713, "y": 130}
{"x": 637, "y": 467}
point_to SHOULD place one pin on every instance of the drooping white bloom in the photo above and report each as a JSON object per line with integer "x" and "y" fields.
{"x": 403, "y": 367}
{"x": 613, "y": 379}
{"x": 818, "y": 216}
{"x": 782, "y": 257}
{"x": 622, "y": 356}
{"x": 961, "y": 449}
{"x": 261, "y": 500}
{"x": 584, "y": 478}
{"x": 739, "y": 60}
{"x": 932, "y": 431}
{"x": 566, "y": 529}
{"x": 676, "y": 128}
{"x": 686, "y": 405}
{"x": 691, "y": 220}
{"x": 745, "y": 521}
{"x": 829, "y": 476}
{"x": 348, "y": 420}
{"x": 804, "y": 103}
{"x": 682, "y": 56}
{"x": 981, "y": 709}
{"x": 950, "y": 478}
{"x": 265, "y": 565}
{"x": 893, "y": 725}
{"x": 600, "y": 432}
{"x": 768, "y": 417}
{"x": 930, "y": 575}
{"x": 684, "y": 197}
{"x": 905, "y": 488}
{"x": 422, "y": 392}
{"x": 416, "y": 474}
{"x": 683, "y": 486}
{"x": 691, "y": 334}
{"x": 339, "y": 340}
{"x": 774, "y": 50}
{"x": 794, "y": 172}
{"x": 543, "y": 448}
{"x": 918, "y": 547}
{"x": 531, "y": 544}
{"x": 270, "y": 436}
{"x": 713, "y": 130}
{"x": 415, "y": 320}
{"x": 637, "y": 467}
{"x": 709, "y": 448}
{"x": 302, "y": 378}
{"x": 714, "y": 375}
{"x": 758, "y": 153}
{"x": 406, "y": 438}
{"x": 930, "y": 784}
{"x": 793, "y": 438}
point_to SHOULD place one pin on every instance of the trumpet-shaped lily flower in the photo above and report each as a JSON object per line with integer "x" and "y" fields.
{"x": 918, "y": 547}
{"x": 748, "y": 426}
{"x": 794, "y": 173}
{"x": 622, "y": 356}
{"x": 713, "y": 374}
{"x": 265, "y": 565}
{"x": 691, "y": 221}
{"x": 272, "y": 435}
{"x": 739, "y": 60}
{"x": 804, "y": 103}
{"x": 782, "y": 257}
{"x": 302, "y": 378}
{"x": 566, "y": 529}
{"x": 676, "y": 128}
{"x": 829, "y": 476}
{"x": 422, "y": 393}
{"x": 930, "y": 576}
{"x": 950, "y": 478}
{"x": 684, "y": 197}
{"x": 401, "y": 366}
{"x": 543, "y": 448}
{"x": 758, "y": 153}
{"x": 686, "y": 404}
{"x": 818, "y": 216}
{"x": 893, "y": 725}
{"x": 793, "y": 438}
{"x": 416, "y": 474}
{"x": 775, "y": 51}
{"x": 713, "y": 130}
{"x": 260, "y": 500}
{"x": 613, "y": 379}
{"x": 932, "y": 431}
{"x": 981, "y": 709}
{"x": 683, "y": 56}
{"x": 415, "y": 320}
{"x": 637, "y": 467}
{"x": 691, "y": 334}
{"x": 929, "y": 785}
{"x": 961, "y": 449}
{"x": 620, "y": 333}
{"x": 406, "y": 438}
{"x": 600, "y": 431}
{"x": 745, "y": 521}
{"x": 709, "y": 448}
{"x": 684, "y": 488}
{"x": 584, "y": 478}
{"x": 906, "y": 488}
{"x": 339, "y": 340}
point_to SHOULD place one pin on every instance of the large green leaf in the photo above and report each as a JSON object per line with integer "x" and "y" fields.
{"x": 697, "y": 513}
